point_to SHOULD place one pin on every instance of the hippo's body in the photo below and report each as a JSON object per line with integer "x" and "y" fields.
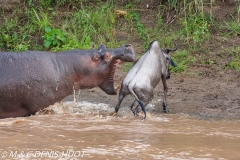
{"x": 33, "y": 80}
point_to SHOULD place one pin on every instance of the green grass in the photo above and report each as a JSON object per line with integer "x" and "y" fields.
{"x": 127, "y": 67}
{"x": 53, "y": 37}
{"x": 40, "y": 19}
{"x": 77, "y": 24}
{"x": 89, "y": 28}
{"x": 181, "y": 58}
{"x": 79, "y": 30}
{"x": 233, "y": 27}
{"x": 234, "y": 63}
{"x": 87, "y": 25}
{"x": 12, "y": 38}
{"x": 196, "y": 24}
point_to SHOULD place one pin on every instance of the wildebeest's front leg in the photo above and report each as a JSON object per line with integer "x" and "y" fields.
{"x": 164, "y": 104}
{"x": 120, "y": 98}
{"x": 122, "y": 93}
{"x": 168, "y": 74}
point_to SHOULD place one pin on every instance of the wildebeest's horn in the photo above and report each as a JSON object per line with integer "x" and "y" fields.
{"x": 167, "y": 50}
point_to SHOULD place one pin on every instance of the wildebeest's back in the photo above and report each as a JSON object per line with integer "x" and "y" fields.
{"x": 24, "y": 77}
{"x": 146, "y": 71}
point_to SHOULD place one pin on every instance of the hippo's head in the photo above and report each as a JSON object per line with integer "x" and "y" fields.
{"x": 111, "y": 58}
{"x": 124, "y": 53}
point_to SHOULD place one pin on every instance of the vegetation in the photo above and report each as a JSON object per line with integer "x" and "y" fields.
{"x": 235, "y": 59}
{"x": 66, "y": 24}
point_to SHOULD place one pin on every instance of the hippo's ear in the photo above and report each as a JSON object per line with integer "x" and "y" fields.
{"x": 101, "y": 48}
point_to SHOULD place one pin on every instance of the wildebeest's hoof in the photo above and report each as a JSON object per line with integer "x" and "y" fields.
{"x": 135, "y": 113}
{"x": 165, "y": 110}
{"x": 144, "y": 116}
{"x": 112, "y": 113}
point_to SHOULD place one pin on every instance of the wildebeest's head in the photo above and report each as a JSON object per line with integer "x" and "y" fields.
{"x": 169, "y": 59}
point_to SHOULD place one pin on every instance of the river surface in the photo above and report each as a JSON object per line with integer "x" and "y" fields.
{"x": 85, "y": 131}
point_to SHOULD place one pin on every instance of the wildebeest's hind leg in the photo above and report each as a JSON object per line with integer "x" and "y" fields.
{"x": 133, "y": 109}
{"x": 143, "y": 96}
{"x": 136, "y": 110}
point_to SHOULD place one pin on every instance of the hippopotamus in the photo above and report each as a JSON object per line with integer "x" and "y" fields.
{"x": 33, "y": 80}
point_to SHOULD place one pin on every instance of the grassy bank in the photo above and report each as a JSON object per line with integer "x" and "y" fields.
{"x": 66, "y": 24}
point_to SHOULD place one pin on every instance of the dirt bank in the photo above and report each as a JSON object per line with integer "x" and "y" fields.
{"x": 205, "y": 91}
{"x": 195, "y": 95}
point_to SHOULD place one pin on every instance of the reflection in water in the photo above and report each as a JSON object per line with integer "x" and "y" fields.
{"x": 84, "y": 131}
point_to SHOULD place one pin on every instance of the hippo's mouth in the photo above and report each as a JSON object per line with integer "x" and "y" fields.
{"x": 108, "y": 85}
{"x": 112, "y": 72}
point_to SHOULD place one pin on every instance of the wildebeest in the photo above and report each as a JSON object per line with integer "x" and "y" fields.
{"x": 33, "y": 80}
{"x": 144, "y": 75}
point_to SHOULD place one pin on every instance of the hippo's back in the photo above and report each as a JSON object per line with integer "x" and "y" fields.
{"x": 21, "y": 65}
{"x": 23, "y": 77}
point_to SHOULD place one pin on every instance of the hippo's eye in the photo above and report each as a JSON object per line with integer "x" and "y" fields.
{"x": 95, "y": 58}
{"x": 107, "y": 55}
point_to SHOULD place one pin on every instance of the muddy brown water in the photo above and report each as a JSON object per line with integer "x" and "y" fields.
{"x": 85, "y": 131}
